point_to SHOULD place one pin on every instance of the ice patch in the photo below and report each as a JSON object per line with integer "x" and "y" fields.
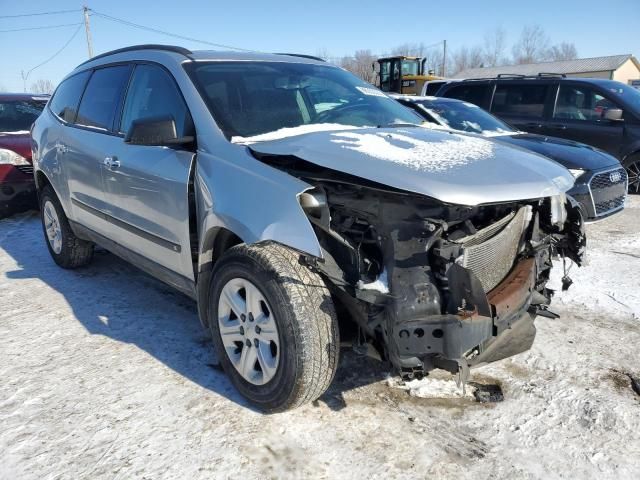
{"x": 419, "y": 155}
{"x": 292, "y": 132}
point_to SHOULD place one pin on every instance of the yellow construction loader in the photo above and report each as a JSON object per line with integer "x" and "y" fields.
{"x": 402, "y": 74}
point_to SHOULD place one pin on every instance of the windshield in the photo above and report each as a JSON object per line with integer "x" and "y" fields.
{"x": 19, "y": 115}
{"x": 628, "y": 94}
{"x": 410, "y": 67}
{"x": 466, "y": 117}
{"x": 254, "y": 98}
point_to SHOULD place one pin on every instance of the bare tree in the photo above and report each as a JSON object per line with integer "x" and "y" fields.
{"x": 495, "y": 44}
{"x": 532, "y": 47}
{"x": 43, "y": 86}
{"x": 563, "y": 51}
{"x": 465, "y": 58}
{"x": 323, "y": 53}
{"x": 361, "y": 64}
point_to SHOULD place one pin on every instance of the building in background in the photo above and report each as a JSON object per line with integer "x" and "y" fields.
{"x": 623, "y": 68}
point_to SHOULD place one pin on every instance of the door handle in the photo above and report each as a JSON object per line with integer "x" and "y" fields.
{"x": 112, "y": 163}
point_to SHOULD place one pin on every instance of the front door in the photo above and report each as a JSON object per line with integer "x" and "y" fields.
{"x": 147, "y": 186}
{"x": 579, "y": 115}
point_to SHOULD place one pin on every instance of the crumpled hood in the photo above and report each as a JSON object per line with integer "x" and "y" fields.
{"x": 451, "y": 167}
{"x": 568, "y": 153}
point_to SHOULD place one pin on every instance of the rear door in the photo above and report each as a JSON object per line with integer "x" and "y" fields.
{"x": 478, "y": 93}
{"x": 84, "y": 143}
{"x": 525, "y": 105}
{"x": 147, "y": 186}
{"x": 579, "y": 115}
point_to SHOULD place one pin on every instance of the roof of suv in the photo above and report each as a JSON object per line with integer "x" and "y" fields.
{"x": 212, "y": 54}
{"x": 604, "y": 82}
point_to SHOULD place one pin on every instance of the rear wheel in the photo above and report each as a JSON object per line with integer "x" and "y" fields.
{"x": 633, "y": 173}
{"x": 273, "y": 325}
{"x": 67, "y": 250}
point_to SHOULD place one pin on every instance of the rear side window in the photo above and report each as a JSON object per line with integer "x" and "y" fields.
{"x": 520, "y": 100}
{"x": 102, "y": 97}
{"x": 432, "y": 88}
{"x": 64, "y": 103}
{"x": 152, "y": 94}
{"x": 475, "y": 94}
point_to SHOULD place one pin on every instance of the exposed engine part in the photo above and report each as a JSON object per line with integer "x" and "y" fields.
{"x": 433, "y": 285}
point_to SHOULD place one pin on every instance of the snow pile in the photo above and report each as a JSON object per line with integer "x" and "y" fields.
{"x": 433, "y": 386}
{"x": 419, "y": 155}
{"x": 381, "y": 284}
{"x": 292, "y": 132}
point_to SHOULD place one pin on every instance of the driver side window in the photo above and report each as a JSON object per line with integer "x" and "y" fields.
{"x": 153, "y": 93}
{"x": 581, "y": 103}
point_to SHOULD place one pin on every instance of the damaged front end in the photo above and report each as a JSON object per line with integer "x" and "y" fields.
{"x": 435, "y": 285}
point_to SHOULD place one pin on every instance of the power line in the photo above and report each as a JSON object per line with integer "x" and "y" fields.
{"x": 162, "y": 32}
{"x": 57, "y": 12}
{"x": 44, "y": 27}
{"x": 25, "y": 76}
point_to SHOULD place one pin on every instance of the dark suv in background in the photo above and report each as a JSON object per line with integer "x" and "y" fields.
{"x": 602, "y": 113}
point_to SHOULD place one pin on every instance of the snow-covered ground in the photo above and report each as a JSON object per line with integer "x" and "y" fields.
{"x": 106, "y": 373}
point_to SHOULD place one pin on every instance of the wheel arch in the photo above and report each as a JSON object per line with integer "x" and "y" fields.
{"x": 216, "y": 241}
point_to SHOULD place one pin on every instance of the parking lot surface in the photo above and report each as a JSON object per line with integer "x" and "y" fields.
{"x": 106, "y": 373}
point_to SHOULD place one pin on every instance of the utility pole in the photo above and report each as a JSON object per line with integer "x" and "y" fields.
{"x": 444, "y": 58}
{"x": 87, "y": 30}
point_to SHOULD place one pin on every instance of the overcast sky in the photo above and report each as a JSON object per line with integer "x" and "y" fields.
{"x": 336, "y": 27}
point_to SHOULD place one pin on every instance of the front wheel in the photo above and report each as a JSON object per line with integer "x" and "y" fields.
{"x": 273, "y": 325}
{"x": 633, "y": 174}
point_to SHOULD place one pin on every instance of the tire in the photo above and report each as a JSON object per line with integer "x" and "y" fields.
{"x": 298, "y": 302}
{"x": 67, "y": 250}
{"x": 633, "y": 174}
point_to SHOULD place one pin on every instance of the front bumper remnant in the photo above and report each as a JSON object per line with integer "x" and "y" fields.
{"x": 501, "y": 329}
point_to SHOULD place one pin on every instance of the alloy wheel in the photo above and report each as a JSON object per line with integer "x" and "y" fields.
{"x": 248, "y": 331}
{"x": 633, "y": 173}
{"x": 52, "y": 227}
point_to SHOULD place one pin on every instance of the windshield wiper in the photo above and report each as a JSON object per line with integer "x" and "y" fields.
{"x": 398, "y": 124}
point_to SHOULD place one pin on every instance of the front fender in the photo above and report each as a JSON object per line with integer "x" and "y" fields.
{"x": 253, "y": 200}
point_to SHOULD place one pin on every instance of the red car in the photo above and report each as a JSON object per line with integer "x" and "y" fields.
{"x": 17, "y": 114}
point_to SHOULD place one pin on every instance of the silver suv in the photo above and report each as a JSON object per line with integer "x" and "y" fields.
{"x": 289, "y": 198}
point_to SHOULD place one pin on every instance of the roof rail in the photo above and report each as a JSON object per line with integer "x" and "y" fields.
{"x": 150, "y": 46}
{"x": 553, "y": 75}
{"x": 510, "y": 75}
{"x": 302, "y": 55}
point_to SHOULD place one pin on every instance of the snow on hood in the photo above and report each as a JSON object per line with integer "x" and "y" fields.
{"x": 292, "y": 132}
{"x": 415, "y": 153}
{"x": 451, "y": 167}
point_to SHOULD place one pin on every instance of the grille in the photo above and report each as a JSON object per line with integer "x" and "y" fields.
{"x": 491, "y": 260}
{"x": 608, "y": 191}
{"x": 28, "y": 169}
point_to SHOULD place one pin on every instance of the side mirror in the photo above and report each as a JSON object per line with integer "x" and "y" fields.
{"x": 613, "y": 114}
{"x": 155, "y": 131}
